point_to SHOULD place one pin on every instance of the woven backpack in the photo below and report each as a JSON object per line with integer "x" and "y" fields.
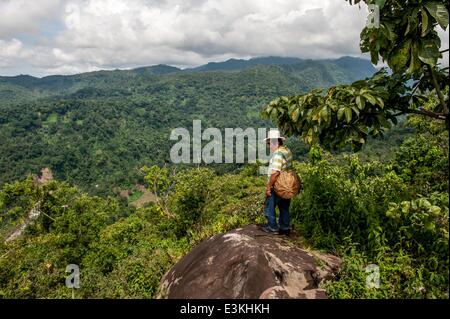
{"x": 288, "y": 184}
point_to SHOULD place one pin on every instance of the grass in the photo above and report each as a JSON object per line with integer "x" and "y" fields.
{"x": 135, "y": 196}
{"x": 51, "y": 119}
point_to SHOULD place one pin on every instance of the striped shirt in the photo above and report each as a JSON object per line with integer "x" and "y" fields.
{"x": 280, "y": 160}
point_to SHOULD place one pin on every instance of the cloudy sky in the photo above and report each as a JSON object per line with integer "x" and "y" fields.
{"x": 43, "y": 37}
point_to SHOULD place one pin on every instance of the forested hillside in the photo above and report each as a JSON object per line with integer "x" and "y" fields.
{"x": 98, "y": 129}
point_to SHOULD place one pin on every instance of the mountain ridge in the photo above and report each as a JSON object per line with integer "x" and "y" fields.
{"x": 228, "y": 65}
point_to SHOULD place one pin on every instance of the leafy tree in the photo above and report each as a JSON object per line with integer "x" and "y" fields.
{"x": 189, "y": 197}
{"x": 422, "y": 159}
{"x": 159, "y": 183}
{"x": 407, "y": 40}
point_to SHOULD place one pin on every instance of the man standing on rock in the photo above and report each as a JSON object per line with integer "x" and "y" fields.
{"x": 281, "y": 160}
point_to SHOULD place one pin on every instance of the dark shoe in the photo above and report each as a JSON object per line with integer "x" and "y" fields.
{"x": 269, "y": 230}
{"x": 286, "y": 232}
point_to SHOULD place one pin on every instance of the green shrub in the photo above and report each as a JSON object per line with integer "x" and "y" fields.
{"x": 339, "y": 201}
{"x": 422, "y": 161}
{"x": 189, "y": 197}
{"x": 420, "y": 228}
{"x": 400, "y": 276}
{"x": 369, "y": 214}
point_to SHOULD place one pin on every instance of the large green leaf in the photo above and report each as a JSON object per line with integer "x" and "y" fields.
{"x": 340, "y": 113}
{"x": 400, "y": 57}
{"x": 413, "y": 21}
{"x": 415, "y": 62}
{"x": 355, "y": 109}
{"x": 429, "y": 51}
{"x": 439, "y": 12}
{"x": 325, "y": 113}
{"x": 389, "y": 32}
{"x": 380, "y": 101}
{"x": 360, "y": 102}
{"x": 374, "y": 57}
{"x": 371, "y": 99}
{"x": 348, "y": 114}
{"x": 295, "y": 115}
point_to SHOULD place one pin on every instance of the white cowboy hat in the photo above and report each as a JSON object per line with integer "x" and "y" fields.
{"x": 275, "y": 134}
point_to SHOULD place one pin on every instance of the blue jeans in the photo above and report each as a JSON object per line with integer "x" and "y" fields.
{"x": 283, "y": 205}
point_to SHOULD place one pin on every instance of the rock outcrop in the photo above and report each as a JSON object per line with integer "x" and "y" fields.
{"x": 248, "y": 263}
{"x": 33, "y": 214}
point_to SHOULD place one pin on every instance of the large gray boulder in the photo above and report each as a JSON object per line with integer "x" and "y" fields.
{"x": 248, "y": 263}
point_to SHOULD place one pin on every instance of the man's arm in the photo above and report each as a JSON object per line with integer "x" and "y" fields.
{"x": 271, "y": 182}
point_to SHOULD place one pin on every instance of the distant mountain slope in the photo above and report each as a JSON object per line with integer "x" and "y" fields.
{"x": 345, "y": 69}
{"x": 239, "y": 64}
{"x": 356, "y": 67}
{"x": 157, "y": 69}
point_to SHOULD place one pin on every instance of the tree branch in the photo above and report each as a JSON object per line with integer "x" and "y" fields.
{"x": 438, "y": 89}
{"x": 422, "y": 111}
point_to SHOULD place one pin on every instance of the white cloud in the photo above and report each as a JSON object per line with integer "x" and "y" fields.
{"x": 24, "y": 16}
{"x": 444, "y": 35}
{"x": 105, "y": 34}
{"x": 9, "y": 52}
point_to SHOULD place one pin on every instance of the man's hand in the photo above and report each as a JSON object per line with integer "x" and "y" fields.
{"x": 272, "y": 180}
